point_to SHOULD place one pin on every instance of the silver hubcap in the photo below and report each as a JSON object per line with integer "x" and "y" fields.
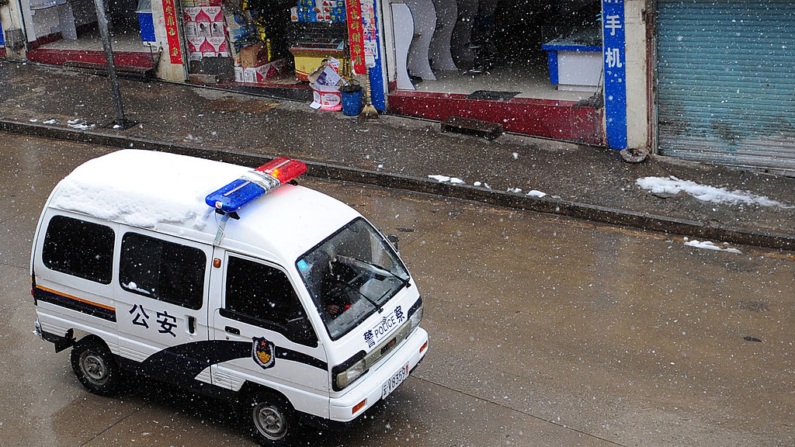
{"x": 269, "y": 421}
{"x": 94, "y": 368}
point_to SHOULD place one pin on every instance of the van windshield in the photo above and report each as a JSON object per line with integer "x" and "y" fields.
{"x": 351, "y": 275}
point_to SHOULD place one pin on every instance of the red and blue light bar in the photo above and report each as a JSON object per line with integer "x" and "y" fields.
{"x": 255, "y": 184}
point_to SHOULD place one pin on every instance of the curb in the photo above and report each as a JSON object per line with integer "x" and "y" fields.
{"x": 594, "y": 213}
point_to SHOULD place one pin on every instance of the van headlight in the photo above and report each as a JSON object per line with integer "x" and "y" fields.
{"x": 346, "y": 373}
{"x": 415, "y": 319}
{"x": 415, "y": 314}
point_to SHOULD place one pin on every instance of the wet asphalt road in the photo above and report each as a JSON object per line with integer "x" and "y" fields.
{"x": 544, "y": 331}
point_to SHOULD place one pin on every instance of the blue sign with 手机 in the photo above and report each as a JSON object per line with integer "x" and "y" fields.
{"x": 613, "y": 48}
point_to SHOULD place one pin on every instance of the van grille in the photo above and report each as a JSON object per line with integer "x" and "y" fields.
{"x": 383, "y": 349}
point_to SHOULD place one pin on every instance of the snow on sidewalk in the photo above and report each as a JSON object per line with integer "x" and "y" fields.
{"x": 673, "y": 185}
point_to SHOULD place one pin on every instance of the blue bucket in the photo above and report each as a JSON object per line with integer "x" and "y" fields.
{"x": 351, "y": 100}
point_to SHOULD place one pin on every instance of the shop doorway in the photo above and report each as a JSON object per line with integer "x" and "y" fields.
{"x": 515, "y": 55}
{"x": 68, "y": 34}
{"x": 266, "y": 47}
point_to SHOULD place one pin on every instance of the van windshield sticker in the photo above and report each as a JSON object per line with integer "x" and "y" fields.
{"x": 302, "y": 265}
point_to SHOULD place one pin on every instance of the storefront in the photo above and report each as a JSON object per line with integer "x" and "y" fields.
{"x": 2, "y": 40}
{"x": 534, "y": 67}
{"x": 250, "y": 45}
{"x": 725, "y": 85}
{"x": 66, "y": 32}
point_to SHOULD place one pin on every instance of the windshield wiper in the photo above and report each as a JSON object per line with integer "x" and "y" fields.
{"x": 374, "y": 266}
{"x": 377, "y": 306}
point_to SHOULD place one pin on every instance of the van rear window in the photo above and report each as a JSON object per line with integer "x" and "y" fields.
{"x": 79, "y": 248}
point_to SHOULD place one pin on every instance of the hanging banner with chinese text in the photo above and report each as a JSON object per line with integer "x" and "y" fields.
{"x": 613, "y": 48}
{"x": 172, "y": 33}
{"x": 355, "y": 36}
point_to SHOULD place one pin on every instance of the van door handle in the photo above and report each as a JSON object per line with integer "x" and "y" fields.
{"x": 232, "y": 330}
{"x": 191, "y": 324}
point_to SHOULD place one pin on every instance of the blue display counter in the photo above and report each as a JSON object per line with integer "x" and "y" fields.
{"x": 575, "y": 61}
{"x": 145, "y": 21}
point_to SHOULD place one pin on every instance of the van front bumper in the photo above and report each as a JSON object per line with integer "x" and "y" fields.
{"x": 368, "y": 389}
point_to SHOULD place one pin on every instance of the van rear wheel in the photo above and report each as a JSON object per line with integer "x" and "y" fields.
{"x": 271, "y": 419}
{"x": 94, "y": 366}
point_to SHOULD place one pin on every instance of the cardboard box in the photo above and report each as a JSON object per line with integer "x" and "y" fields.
{"x": 215, "y": 47}
{"x": 191, "y": 14}
{"x": 262, "y": 73}
{"x": 217, "y": 29}
{"x": 194, "y": 47}
{"x": 329, "y": 101}
{"x": 254, "y": 55}
{"x": 326, "y": 97}
{"x": 202, "y": 29}
{"x": 249, "y": 75}
{"x": 190, "y": 30}
{"x": 213, "y": 13}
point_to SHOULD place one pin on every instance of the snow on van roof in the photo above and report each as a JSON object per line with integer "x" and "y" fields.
{"x": 166, "y": 192}
{"x": 143, "y": 188}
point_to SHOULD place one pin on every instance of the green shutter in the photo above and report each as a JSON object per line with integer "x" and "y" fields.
{"x": 726, "y": 82}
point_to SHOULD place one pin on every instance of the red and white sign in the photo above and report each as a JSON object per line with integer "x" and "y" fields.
{"x": 172, "y": 33}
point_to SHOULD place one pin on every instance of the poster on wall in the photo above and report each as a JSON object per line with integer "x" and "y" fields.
{"x": 613, "y": 49}
{"x": 369, "y": 32}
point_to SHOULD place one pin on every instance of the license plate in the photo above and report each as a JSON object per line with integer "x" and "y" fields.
{"x": 393, "y": 382}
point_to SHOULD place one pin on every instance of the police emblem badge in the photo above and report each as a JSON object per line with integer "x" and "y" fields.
{"x": 263, "y": 352}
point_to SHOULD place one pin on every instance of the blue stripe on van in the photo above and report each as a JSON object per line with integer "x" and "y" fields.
{"x": 184, "y": 362}
{"x": 75, "y": 303}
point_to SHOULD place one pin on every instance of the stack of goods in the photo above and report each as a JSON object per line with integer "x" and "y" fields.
{"x": 326, "y": 82}
{"x": 251, "y": 47}
{"x": 205, "y": 32}
{"x": 319, "y": 11}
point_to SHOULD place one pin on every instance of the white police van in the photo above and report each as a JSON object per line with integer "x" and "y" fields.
{"x": 262, "y": 291}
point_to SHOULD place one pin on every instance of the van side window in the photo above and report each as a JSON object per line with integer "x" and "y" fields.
{"x": 262, "y": 295}
{"x": 162, "y": 270}
{"x": 79, "y": 248}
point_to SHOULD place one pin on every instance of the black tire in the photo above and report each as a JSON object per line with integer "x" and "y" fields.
{"x": 95, "y": 367}
{"x": 271, "y": 419}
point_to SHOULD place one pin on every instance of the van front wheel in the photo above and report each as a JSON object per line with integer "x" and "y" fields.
{"x": 271, "y": 419}
{"x": 94, "y": 366}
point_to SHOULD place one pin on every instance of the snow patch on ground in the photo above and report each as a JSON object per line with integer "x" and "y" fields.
{"x": 536, "y": 193}
{"x": 80, "y": 124}
{"x": 673, "y": 185}
{"x": 445, "y": 179}
{"x": 707, "y": 245}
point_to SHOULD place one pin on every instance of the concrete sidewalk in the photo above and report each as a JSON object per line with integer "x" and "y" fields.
{"x": 579, "y": 181}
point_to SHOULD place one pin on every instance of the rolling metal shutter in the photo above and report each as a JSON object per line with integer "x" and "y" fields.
{"x": 726, "y": 82}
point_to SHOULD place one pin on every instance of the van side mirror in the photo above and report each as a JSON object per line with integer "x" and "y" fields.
{"x": 393, "y": 239}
